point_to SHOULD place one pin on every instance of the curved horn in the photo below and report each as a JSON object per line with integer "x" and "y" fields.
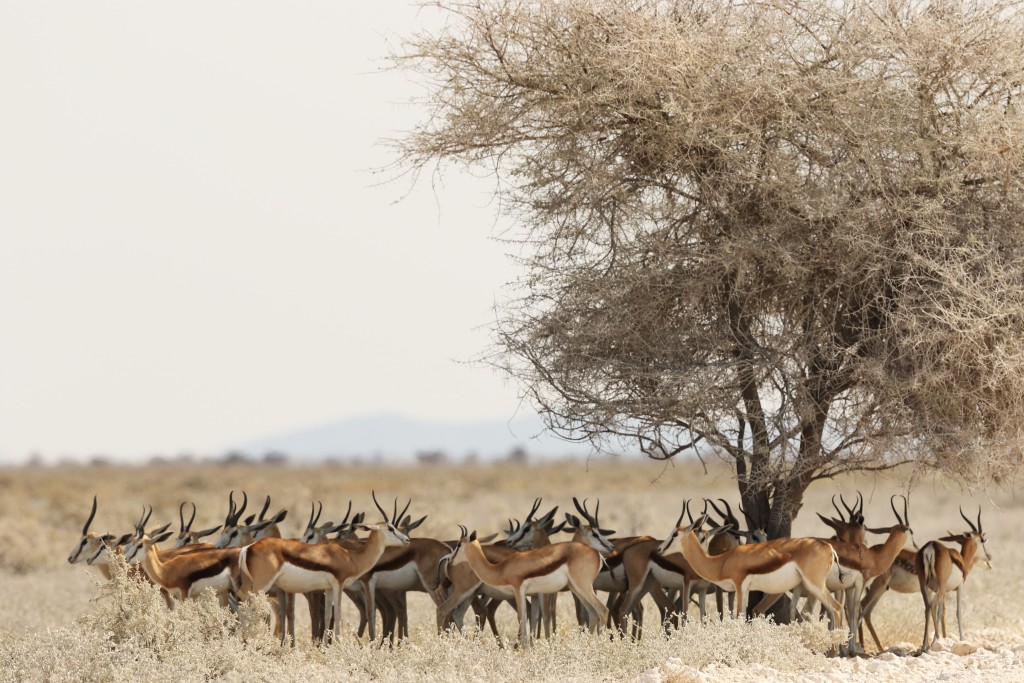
{"x": 583, "y": 510}
{"x": 892, "y": 504}
{"x": 266, "y": 506}
{"x": 686, "y": 504}
{"x": 181, "y": 516}
{"x": 239, "y": 511}
{"x": 732, "y": 517}
{"x": 347, "y": 512}
{"x": 384, "y": 514}
{"x": 969, "y": 522}
{"x": 141, "y": 526}
{"x": 597, "y": 509}
{"x": 404, "y": 510}
{"x": 979, "y": 519}
{"x": 860, "y": 503}
{"x": 192, "y": 519}
{"x": 533, "y": 510}
{"x": 849, "y": 511}
{"x": 92, "y": 514}
{"x": 717, "y": 511}
{"x": 838, "y": 511}
{"x": 231, "y": 509}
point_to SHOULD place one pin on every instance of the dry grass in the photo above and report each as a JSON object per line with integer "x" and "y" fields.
{"x": 58, "y": 624}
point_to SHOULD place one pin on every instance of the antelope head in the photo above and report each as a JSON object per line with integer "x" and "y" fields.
{"x": 902, "y": 523}
{"x": 185, "y": 535}
{"x": 590, "y": 533}
{"x": 976, "y": 536}
{"x": 90, "y": 542}
{"x": 392, "y": 535}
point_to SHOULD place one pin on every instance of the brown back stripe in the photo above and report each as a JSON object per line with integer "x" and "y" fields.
{"x": 209, "y": 570}
{"x": 665, "y": 563}
{"x": 304, "y": 563}
{"x": 397, "y": 562}
{"x": 544, "y": 569}
{"x": 773, "y": 563}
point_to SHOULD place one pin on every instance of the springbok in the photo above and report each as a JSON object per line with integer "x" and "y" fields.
{"x": 297, "y": 567}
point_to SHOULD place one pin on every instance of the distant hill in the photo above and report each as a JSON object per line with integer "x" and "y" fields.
{"x": 400, "y": 439}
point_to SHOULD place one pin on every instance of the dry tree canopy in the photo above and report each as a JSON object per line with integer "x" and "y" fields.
{"x": 788, "y": 233}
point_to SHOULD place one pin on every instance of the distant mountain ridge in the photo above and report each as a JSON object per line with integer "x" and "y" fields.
{"x": 397, "y": 438}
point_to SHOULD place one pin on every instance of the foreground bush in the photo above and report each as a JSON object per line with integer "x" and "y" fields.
{"x": 131, "y": 635}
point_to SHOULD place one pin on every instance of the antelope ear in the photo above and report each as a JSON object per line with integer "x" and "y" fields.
{"x": 828, "y": 521}
{"x": 163, "y": 537}
{"x": 606, "y": 532}
{"x": 279, "y": 517}
{"x": 124, "y": 539}
{"x": 107, "y": 538}
{"x": 358, "y": 519}
{"x": 878, "y": 530}
{"x": 207, "y": 532}
{"x": 487, "y": 539}
{"x": 952, "y": 539}
{"x": 557, "y": 529}
{"x": 157, "y": 532}
{"x": 412, "y": 525}
{"x": 250, "y": 519}
{"x": 472, "y": 536}
{"x": 261, "y": 525}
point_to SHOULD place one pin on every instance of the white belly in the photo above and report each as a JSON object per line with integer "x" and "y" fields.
{"x": 850, "y": 578}
{"x": 294, "y": 579}
{"x": 904, "y": 582}
{"x": 219, "y": 583}
{"x": 956, "y": 579}
{"x": 781, "y": 580}
{"x": 666, "y": 577}
{"x": 548, "y": 583}
{"x": 500, "y": 592}
{"x": 607, "y": 581}
{"x": 403, "y": 578}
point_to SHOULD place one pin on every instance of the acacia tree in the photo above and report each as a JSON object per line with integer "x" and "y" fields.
{"x": 785, "y": 233}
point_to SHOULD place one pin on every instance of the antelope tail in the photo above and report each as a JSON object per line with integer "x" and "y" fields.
{"x": 928, "y": 563}
{"x": 239, "y": 572}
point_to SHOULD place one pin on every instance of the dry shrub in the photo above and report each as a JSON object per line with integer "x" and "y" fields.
{"x": 132, "y": 635}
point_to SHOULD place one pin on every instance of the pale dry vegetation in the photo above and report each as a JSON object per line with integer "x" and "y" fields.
{"x": 58, "y": 623}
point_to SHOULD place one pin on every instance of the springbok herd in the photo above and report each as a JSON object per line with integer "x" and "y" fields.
{"x": 842, "y": 574}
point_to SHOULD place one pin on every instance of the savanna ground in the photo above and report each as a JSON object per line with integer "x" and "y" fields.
{"x": 57, "y": 622}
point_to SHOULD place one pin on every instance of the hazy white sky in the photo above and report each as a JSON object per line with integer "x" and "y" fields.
{"x": 192, "y": 250}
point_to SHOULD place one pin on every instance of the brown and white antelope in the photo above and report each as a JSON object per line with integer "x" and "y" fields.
{"x": 91, "y": 545}
{"x": 612, "y": 578}
{"x": 182, "y": 572}
{"x": 547, "y": 569}
{"x": 236, "y": 533}
{"x": 941, "y": 569}
{"x": 773, "y": 567}
{"x": 732, "y": 535}
{"x": 297, "y": 567}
